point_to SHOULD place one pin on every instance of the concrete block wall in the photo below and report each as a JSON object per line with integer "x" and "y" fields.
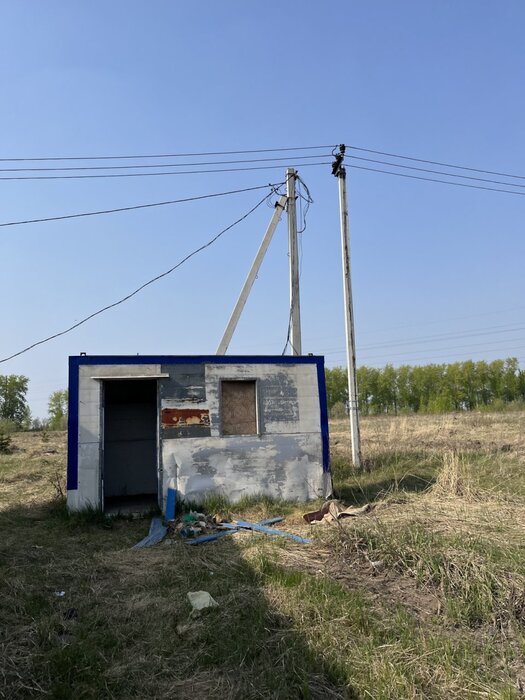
{"x": 286, "y": 459}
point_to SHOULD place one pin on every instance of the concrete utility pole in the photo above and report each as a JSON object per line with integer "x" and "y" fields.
{"x": 339, "y": 171}
{"x": 295, "y": 307}
{"x": 241, "y": 301}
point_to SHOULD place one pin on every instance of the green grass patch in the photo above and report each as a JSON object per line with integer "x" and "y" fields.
{"x": 390, "y": 472}
{"x": 477, "y": 583}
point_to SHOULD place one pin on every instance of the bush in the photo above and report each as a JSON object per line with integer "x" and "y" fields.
{"x": 5, "y": 444}
{"x": 338, "y": 410}
{"x": 7, "y": 427}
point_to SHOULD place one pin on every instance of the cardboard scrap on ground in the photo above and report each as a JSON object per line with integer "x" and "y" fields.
{"x": 332, "y": 511}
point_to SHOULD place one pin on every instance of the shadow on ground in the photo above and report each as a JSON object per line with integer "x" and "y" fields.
{"x": 84, "y": 616}
{"x": 383, "y": 474}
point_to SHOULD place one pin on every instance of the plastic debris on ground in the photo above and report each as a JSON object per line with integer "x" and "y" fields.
{"x": 192, "y": 524}
{"x": 332, "y": 511}
{"x": 157, "y": 532}
{"x": 260, "y": 527}
{"x": 201, "y": 599}
{"x": 198, "y": 528}
{"x": 206, "y": 528}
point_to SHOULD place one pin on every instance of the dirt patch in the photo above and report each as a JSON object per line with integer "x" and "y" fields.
{"x": 352, "y": 570}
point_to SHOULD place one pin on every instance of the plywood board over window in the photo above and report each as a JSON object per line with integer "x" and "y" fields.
{"x": 239, "y": 407}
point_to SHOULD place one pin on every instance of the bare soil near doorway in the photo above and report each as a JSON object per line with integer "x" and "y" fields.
{"x": 422, "y": 598}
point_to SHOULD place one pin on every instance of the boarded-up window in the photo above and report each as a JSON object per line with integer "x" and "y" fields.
{"x": 239, "y": 408}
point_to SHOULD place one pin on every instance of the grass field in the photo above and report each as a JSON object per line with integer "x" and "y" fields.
{"x": 422, "y": 598}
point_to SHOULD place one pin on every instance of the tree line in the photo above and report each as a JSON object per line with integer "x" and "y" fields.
{"x": 432, "y": 388}
{"x": 15, "y": 413}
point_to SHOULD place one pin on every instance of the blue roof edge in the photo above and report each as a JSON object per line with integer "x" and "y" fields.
{"x": 192, "y": 359}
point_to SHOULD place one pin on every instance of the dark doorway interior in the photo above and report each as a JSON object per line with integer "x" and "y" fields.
{"x": 130, "y": 444}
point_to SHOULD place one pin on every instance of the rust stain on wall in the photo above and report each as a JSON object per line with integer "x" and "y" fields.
{"x": 177, "y": 417}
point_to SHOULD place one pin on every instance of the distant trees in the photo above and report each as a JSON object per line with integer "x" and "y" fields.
{"x": 13, "y": 403}
{"x": 14, "y": 409}
{"x": 460, "y": 386}
{"x": 57, "y": 409}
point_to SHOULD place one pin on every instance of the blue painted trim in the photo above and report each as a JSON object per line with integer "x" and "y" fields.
{"x": 195, "y": 359}
{"x": 323, "y": 405}
{"x": 72, "y": 427}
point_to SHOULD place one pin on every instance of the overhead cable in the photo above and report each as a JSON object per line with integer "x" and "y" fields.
{"x": 131, "y": 208}
{"x": 468, "y": 353}
{"x": 436, "y": 172}
{"x": 177, "y": 172}
{"x": 420, "y": 351}
{"x": 161, "y": 165}
{"x": 432, "y": 179}
{"x": 436, "y": 162}
{"x": 273, "y": 191}
{"x": 169, "y": 155}
{"x": 196, "y": 154}
{"x": 492, "y": 330}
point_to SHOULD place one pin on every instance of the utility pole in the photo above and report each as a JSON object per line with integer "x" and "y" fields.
{"x": 241, "y": 301}
{"x": 339, "y": 171}
{"x": 295, "y": 308}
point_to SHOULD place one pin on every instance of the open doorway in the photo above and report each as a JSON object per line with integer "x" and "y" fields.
{"x": 130, "y": 445}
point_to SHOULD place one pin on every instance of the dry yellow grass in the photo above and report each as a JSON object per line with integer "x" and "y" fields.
{"x": 488, "y": 433}
{"x": 423, "y": 598}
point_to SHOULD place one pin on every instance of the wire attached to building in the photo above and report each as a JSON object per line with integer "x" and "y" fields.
{"x": 274, "y": 190}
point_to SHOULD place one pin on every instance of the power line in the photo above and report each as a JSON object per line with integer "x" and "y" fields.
{"x": 178, "y": 172}
{"x": 162, "y": 165}
{"x": 435, "y": 162}
{"x": 151, "y": 156}
{"x": 146, "y": 284}
{"x": 136, "y": 206}
{"x": 418, "y": 324}
{"x": 492, "y": 330}
{"x": 420, "y": 361}
{"x": 405, "y": 353}
{"x": 435, "y": 172}
{"x": 450, "y": 318}
{"x": 431, "y": 179}
{"x": 169, "y": 155}
{"x": 461, "y": 354}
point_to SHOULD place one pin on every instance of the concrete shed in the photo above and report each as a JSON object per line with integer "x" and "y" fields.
{"x": 235, "y": 426}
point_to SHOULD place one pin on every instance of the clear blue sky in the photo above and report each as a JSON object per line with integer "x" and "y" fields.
{"x": 441, "y": 80}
